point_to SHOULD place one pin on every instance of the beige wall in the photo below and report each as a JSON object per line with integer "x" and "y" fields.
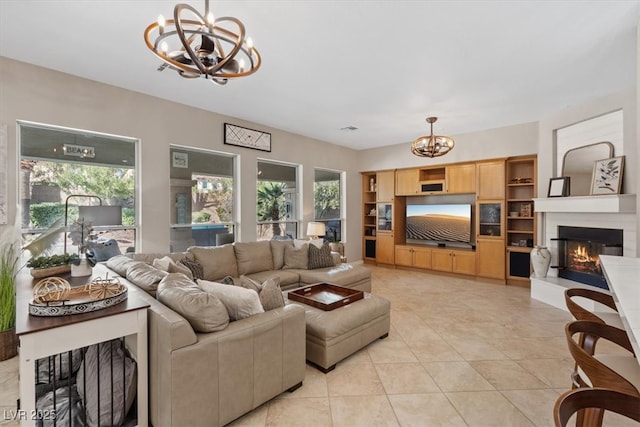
{"x": 45, "y": 96}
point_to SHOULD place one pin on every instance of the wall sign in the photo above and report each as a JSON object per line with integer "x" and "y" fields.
{"x": 79, "y": 150}
{"x": 248, "y": 138}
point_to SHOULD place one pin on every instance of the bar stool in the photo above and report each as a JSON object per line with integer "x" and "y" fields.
{"x": 580, "y": 313}
{"x": 578, "y": 400}
{"x": 620, "y": 372}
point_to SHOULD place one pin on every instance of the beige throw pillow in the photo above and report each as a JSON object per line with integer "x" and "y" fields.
{"x": 145, "y": 276}
{"x": 296, "y": 258}
{"x": 269, "y": 291}
{"x": 204, "y": 311}
{"x": 240, "y": 302}
{"x": 169, "y": 265}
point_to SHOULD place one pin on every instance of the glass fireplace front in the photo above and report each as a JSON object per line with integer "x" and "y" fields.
{"x": 578, "y": 249}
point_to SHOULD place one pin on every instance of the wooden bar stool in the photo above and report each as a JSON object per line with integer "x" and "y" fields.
{"x": 578, "y": 401}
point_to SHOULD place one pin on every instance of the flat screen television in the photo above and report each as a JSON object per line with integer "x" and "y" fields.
{"x": 441, "y": 223}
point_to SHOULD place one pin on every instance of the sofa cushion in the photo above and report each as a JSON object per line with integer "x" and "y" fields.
{"x": 167, "y": 264}
{"x": 287, "y": 277}
{"x": 240, "y": 302}
{"x": 277, "y": 252}
{"x": 216, "y": 262}
{"x": 320, "y": 257}
{"x": 296, "y": 257}
{"x": 120, "y": 264}
{"x": 269, "y": 291}
{"x": 204, "y": 311}
{"x": 145, "y": 276}
{"x": 253, "y": 256}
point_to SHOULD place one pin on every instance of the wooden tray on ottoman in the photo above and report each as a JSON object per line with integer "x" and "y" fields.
{"x": 325, "y": 296}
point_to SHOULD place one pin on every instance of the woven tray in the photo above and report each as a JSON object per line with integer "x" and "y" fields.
{"x": 54, "y": 296}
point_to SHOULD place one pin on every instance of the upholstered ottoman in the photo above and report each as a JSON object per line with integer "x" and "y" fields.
{"x": 334, "y": 335}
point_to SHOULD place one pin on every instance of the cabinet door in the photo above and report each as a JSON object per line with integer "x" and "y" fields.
{"x": 421, "y": 258}
{"x": 386, "y": 186}
{"x": 461, "y": 178}
{"x": 385, "y": 249}
{"x": 464, "y": 262}
{"x": 407, "y": 182}
{"x": 404, "y": 256}
{"x": 441, "y": 260}
{"x": 490, "y": 182}
{"x": 490, "y": 255}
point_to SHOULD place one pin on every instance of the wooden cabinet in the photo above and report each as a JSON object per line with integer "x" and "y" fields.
{"x": 461, "y": 178}
{"x": 386, "y": 186}
{"x": 413, "y": 256}
{"x": 490, "y": 258}
{"x": 385, "y": 249}
{"x": 407, "y": 182}
{"x": 454, "y": 261}
{"x": 490, "y": 179}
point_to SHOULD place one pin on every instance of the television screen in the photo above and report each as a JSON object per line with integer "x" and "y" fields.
{"x": 439, "y": 223}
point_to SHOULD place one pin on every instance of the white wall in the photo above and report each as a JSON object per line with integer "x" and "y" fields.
{"x": 40, "y": 95}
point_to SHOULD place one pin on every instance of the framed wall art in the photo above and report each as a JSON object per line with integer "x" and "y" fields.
{"x": 180, "y": 160}
{"x": 248, "y": 138}
{"x": 559, "y": 187}
{"x": 607, "y": 176}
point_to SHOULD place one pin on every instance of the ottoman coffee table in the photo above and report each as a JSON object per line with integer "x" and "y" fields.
{"x": 337, "y": 328}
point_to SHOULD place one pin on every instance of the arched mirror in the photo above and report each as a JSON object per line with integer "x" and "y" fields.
{"x": 577, "y": 164}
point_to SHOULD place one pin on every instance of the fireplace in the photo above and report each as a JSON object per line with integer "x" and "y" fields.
{"x": 578, "y": 249}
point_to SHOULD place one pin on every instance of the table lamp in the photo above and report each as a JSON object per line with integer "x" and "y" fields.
{"x": 315, "y": 229}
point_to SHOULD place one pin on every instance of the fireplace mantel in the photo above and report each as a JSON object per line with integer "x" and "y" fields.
{"x": 615, "y": 203}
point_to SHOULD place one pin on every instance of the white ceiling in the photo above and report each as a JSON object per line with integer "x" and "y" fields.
{"x": 381, "y": 66}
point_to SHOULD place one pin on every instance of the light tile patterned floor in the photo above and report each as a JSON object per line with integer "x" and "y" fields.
{"x": 460, "y": 353}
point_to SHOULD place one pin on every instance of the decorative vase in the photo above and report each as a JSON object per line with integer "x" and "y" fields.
{"x": 82, "y": 269}
{"x": 540, "y": 261}
{"x": 8, "y": 344}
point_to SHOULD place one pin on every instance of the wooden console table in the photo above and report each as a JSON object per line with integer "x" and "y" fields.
{"x": 44, "y": 336}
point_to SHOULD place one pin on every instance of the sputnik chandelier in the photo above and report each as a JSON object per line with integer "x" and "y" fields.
{"x": 202, "y": 46}
{"x": 432, "y": 145}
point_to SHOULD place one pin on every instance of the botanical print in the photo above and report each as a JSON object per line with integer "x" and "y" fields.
{"x": 607, "y": 176}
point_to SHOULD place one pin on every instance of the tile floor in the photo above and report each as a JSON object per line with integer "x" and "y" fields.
{"x": 459, "y": 353}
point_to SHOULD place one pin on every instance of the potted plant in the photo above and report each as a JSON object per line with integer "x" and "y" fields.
{"x": 45, "y": 266}
{"x": 11, "y": 256}
{"x": 80, "y": 235}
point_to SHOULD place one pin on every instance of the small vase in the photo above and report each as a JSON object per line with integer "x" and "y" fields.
{"x": 540, "y": 261}
{"x": 82, "y": 269}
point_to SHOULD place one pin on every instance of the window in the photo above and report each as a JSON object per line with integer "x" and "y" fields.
{"x": 62, "y": 171}
{"x": 202, "y": 198}
{"x": 277, "y": 201}
{"x": 327, "y": 197}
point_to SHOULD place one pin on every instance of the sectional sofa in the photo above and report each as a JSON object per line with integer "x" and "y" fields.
{"x": 212, "y": 378}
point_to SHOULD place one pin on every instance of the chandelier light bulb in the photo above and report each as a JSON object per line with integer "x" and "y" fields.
{"x": 210, "y": 18}
{"x": 248, "y": 42}
{"x": 164, "y": 47}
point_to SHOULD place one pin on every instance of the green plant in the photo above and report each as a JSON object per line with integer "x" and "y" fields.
{"x": 11, "y": 256}
{"x": 49, "y": 261}
{"x": 199, "y": 217}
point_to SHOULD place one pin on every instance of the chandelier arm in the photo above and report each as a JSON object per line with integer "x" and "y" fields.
{"x": 183, "y": 39}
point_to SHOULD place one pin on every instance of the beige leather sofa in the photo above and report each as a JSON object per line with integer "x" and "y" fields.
{"x": 200, "y": 379}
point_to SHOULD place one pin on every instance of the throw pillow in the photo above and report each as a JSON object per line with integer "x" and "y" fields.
{"x": 277, "y": 251}
{"x": 269, "y": 291}
{"x": 101, "y": 386}
{"x": 204, "y": 311}
{"x": 296, "y": 257}
{"x": 169, "y": 265}
{"x": 145, "y": 276}
{"x": 240, "y": 302}
{"x": 120, "y": 264}
{"x": 194, "y": 266}
{"x": 320, "y": 258}
{"x": 228, "y": 280}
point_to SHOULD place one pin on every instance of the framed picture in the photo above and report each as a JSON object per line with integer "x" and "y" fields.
{"x": 248, "y": 138}
{"x": 180, "y": 160}
{"x": 559, "y": 187}
{"x": 607, "y": 176}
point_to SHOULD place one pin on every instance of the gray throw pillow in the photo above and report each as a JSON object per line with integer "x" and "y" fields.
{"x": 296, "y": 257}
{"x": 320, "y": 257}
{"x": 197, "y": 271}
{"x": 107, "y": 364}
{"x": 269, "y": 291}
